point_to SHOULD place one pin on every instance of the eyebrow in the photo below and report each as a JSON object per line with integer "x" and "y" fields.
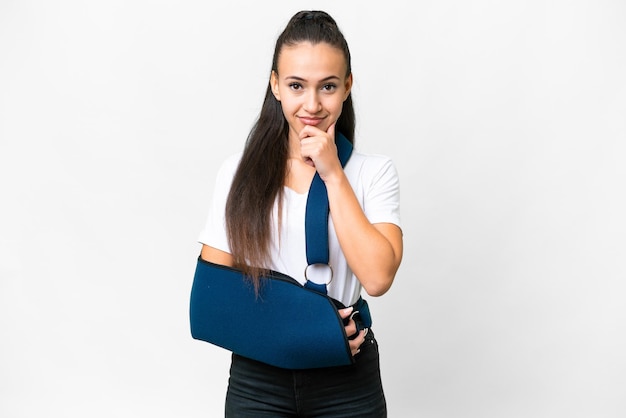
{"x": 294, "y": 77}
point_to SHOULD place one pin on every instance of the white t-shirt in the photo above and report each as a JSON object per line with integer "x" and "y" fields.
{"x": 374, "y": 180}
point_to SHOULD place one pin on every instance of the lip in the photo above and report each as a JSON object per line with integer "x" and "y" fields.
{"x": 308, "y": 120}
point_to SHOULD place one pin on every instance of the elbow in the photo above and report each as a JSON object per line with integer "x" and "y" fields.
{"x": 378, "y": 287}
{"x": 377, "y": 279}
{"x": 379, "y": 291}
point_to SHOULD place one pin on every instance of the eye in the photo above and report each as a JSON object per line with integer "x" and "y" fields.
{"x": 330, "y": 87}
{"x": 295, "y": 86}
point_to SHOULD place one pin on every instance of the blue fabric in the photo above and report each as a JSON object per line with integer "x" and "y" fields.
{"x": 316, "y": 217}
{"x": 319, "y": 288}
{"x": 287, "y": 325}
{"x": 363, "y": 317}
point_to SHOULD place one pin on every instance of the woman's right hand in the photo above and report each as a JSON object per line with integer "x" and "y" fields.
{"x": 356, "y": 342}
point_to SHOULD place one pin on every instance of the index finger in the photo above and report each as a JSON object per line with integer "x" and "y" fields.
{"x": 310, "y": 130}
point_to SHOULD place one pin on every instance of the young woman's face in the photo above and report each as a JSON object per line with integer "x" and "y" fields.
{"x": 311, "y": 85}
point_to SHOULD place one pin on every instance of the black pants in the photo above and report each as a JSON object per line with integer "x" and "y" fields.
{"x": 257, "y": 389}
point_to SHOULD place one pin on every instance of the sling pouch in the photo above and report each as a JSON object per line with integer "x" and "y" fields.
{"x": 287, "y": 324}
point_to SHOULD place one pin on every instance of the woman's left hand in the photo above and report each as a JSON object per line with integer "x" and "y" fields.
{"x": 356, "y": 342}
{"x": 318, "y": 150}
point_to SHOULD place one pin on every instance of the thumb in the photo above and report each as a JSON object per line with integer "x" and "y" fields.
{"x": 331, "y": 130}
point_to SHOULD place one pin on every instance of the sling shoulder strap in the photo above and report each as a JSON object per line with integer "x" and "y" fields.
{"x": 317, "y": 213}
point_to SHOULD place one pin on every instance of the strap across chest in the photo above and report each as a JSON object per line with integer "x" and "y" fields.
{"x": 316, "y": 221}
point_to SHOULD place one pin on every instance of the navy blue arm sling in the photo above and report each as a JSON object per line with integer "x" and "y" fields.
{"x": 287, "y": 324}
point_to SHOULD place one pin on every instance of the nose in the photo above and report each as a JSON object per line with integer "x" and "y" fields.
{"x": 312, "y": 102}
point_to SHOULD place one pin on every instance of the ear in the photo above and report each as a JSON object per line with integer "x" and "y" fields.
{"x": 274, "y": 85}
{"x": 348, "y": 86}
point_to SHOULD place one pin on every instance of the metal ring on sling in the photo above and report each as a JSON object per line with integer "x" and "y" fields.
{"x": 306, "y": 269}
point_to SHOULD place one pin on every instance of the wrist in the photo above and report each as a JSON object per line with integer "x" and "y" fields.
{"x": 335, "y": 178}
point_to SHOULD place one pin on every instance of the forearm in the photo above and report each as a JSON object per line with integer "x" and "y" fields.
{"x": 373, "y": 252}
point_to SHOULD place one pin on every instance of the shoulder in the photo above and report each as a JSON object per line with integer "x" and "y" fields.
{"x": 228, "y": 167}
{"x": 368, "y": 160}
{"x": 375, "y": 182}
{"x": 225, "y": 174}
{"x": 367, "y": 168}
{"x": 231, "y": 162}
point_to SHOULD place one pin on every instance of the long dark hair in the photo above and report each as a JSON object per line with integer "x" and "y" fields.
{"x": 260, "y": 177}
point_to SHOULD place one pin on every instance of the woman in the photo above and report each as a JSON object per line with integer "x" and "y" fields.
{"x": 256, "y": 221}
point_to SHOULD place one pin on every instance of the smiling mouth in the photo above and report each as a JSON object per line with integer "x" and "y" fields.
{"x": 310, "y": 120}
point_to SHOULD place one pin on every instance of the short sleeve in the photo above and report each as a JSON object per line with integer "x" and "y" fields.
{"x": 214, "y": 232}
{"x": 382, "y": 195}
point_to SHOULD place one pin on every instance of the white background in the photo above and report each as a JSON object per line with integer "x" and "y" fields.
{"x": 507, "y": 124}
